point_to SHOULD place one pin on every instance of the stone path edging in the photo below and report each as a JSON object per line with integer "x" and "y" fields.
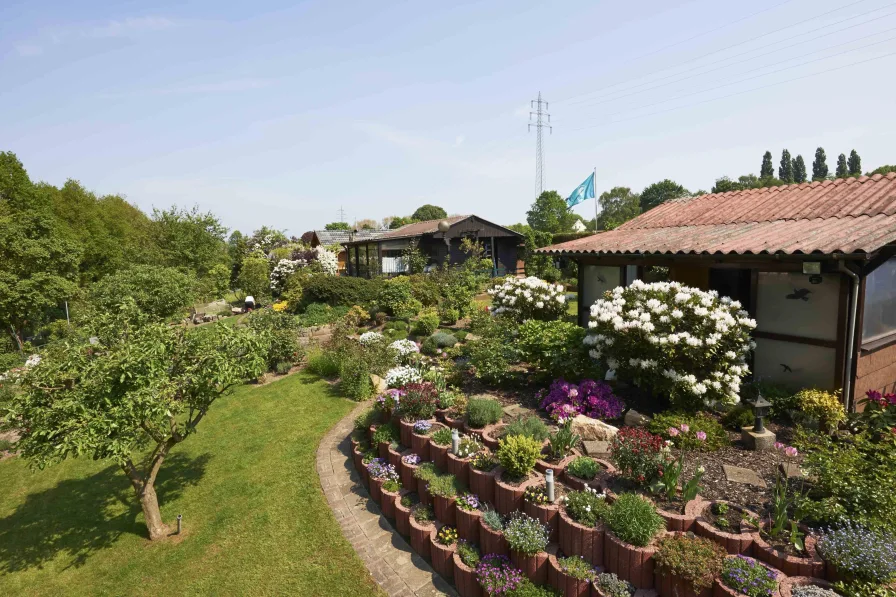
{"x": 388, "y": 557}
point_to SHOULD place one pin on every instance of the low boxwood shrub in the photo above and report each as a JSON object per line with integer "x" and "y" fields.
{"x": 518, "y": 454}
{"x": 483, "y": 411}
{"x": 444, "y": 339}
{"x": 427, "y": 322}
{"x": 583, "y": 467}
{"x": 634, "y": 520}
{"x": 697, "y": 560}
{"x": 749, "y": 577}
{"x": 613, "y": 586}
{"x": 340, "y": 290}
{"x": 716, "y": 436}
{"x": 526, "y": 534}
{"x": 738, "y": 417}
{"x": 461, "y": 335}
{"x": 396, "y": 324}
{"x": 859, "y": 553}
{"x": 531, "y": 426}
{"x": 586, "y": 507}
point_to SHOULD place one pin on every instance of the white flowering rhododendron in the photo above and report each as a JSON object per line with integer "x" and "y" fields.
{"x": 371, "y": 338}
{"x": 327, "y": 260}
{"x": 679, "y": 341}
{"x": 398, "y": 377}
{"x": 404, "y": 347}
{"x": 528, "y": 298}
{"x": 282, "y": 271}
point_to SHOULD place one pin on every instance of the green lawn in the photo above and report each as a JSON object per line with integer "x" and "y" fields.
{"x": 255, "y": 519}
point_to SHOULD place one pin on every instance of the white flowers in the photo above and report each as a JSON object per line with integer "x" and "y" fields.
{"x": 371, "y": 338}
{"x": 528, "y": 298}
{"x": 687, "y": 343}
{"x": 328, "y": 261}
{"x": 404, "y": 348}
{"x": 398, "y": 377}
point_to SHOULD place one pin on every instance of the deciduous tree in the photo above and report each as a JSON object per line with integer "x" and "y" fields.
{"x": 338, "y": 226}
{"x": 190, "y": 239}
{"x": 429, "y": 212}
{"x": 158, "y": 292}
{"x": 399, "y": 221}
{"x": 660, "y": 192}
{"x": 549, "y": 213}
{"x": 617, "y": 206}
{"x": 819, "y": 165}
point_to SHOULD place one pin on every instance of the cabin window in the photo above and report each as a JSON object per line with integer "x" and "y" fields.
{"x": 879, "y": 318}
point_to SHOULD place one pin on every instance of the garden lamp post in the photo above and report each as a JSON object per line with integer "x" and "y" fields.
{"x": 549, "y": 484}
{"x": 761, "y": 408}
{"x": 455, "y": 441}
{"x": 758, "y": 437}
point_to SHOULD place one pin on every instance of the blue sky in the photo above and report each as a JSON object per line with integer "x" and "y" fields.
{"x": 280, "y": 113}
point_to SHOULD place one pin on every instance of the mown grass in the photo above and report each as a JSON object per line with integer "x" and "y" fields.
{"x": 255, "y": 519}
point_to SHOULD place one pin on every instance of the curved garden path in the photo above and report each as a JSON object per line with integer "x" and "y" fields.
{"x": 388, "y": 557}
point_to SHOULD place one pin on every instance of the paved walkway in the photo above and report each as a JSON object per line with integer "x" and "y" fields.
{"x": 389, "y": 558}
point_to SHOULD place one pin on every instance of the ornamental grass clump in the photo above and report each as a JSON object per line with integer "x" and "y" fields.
{"x": 483, "y": 411}
{"x": 497, "y": 575}
{"x": 469, "y": 553}
{"x": 518, "y": 455}
{"x": 578, "y": 568}
{"x": 526, "y": 534}
{"x": 674, "y": 340}
{"x": 859, "y": 553}
{"x": 634, "y": 520}
{"x": 531, "y": 426}
{"x": 638, "y": 454}
{"x": 696, "y": 560}
{"x": 583, "y": 467}
{"x": 613, "y": 586}
{"x": 591, "y": 398}
{"x": 528, "y": 298}
{"x": 587, "y": 507}
{"x": 749, "y": 577}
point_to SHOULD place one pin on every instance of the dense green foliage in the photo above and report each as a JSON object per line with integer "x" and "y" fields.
{"x": 429, "y": 212}
{"x": 716, "y": 436}
{"x": 586, "y": 507}
{"x": 617, "y": 206}
{"x": 281, "y": 339}
{"x": 662, "y": 191}
{"x": 517, "y": 454}
{"x": 531, "y": 426}
{"x": 696, "y": 560}
{"x": 159, "y": 292}
{"x": 556, "y": 349}
{"x": 550, "y": 214}
{"x": 634, "y": 519}
{"x": 483, "y": 411}
{"x": 341, "y": 290}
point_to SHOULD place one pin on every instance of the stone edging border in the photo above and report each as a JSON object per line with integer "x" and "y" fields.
{"x": 388, "y": 557}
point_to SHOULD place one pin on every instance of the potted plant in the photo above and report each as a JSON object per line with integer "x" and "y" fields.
{"x": 482, "y": 470}
{"x": 528, "y": 539}
{"x": 731, "y": 526}
{"x": 742, "y": 575}
{"x": 517, "y": 455}
{"x": 686, "y": 565}
{"x": 496, "y": 575}
{"x": 491, "y": 533}
{"x": 443, "y": 543}
{"x": 458, "y": 464}
{"x": 583, "y": 471}
{"x": 466, "y": 559}
{"x": 390, "y": 489}
{"x": 630, "y": 541}
{"x": 425, "y": 473}
{"x": 439, "y": 445}
{"x": 581, "y": 525}
{"x": 467, "y": 514}
{"x": 560, "y": 450}
{"x": 420, "y": 437}
{"x": 422, "y": 525}
{"x": 855, "y": 553}
{"x": 404, "y": 503}
{"x": 608, "y": 584}
{"x": 571, "y": 575}
{"x": 482, "y": 412}
{"x": 418, "y": 403}
{"x": 444, "y": 489}
{"x": 537, "y": 505}
{"x": 394, "y": 455}
{"x": 409, "y": 463}
{"x": 453, "y": 415}
{"x": 383, "y": 436}
{"x": 380, "y": 472}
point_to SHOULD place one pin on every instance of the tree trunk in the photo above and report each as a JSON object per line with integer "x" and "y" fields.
{"x": 150, "y": 504}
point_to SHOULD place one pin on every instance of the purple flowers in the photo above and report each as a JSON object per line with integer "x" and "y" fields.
{"x": 468, "y": 502}
{"x": 859, "y": 552}
{"x": 749, "y": 577}
{"x": 496, "y": 575}
{"x": 594, "y": 399}
{"x": 380, "y": 469}
{"x": 411, "y": 459}
{"x": 422, "y": 427}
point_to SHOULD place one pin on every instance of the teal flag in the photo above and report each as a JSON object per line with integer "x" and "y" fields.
{"x": 582, "y": 192}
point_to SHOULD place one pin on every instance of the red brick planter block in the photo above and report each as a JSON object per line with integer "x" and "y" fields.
{"x": 406, "y": 472}
{"x": 483, "y": 484}
{"x": 387, "y": 504}
{"x": 445, "y": 509}
{"x": 376, "y": 491}
{"x": 719, "y": 589}
{"x": 420, "y": 535}
{"x": 383, "y": 450}
{"x": 454, "y": 423}
{"x": 394, "y": 457}
{"x": 579, "y": 540}
{"x": 442, "y": 556}
{"x": 629, "y": 562}
{"x": 492, "y": 541}
{"x": 670, "y": 585}
{"x": 402, "y": 515}
{"x": 534, "y": 567}
{"x": 490, "y": 436}
{"x": 405, "y": 430}
{"x": 423, "y": 492}
{"x": 468, "y": 524}
{"x": 580, "y": 484}
{"x": 465, "y": 579}
{"x": 734, "y": 543}
{"x": 786, "y": 586}
{"x": 370, "y": 431}
{"x": 547, "y": 514}
{"x": 358, "y": 461}
{"x": 439, "y": 455}
{"x": 811, "y": 565}
{"x": 459, "y": 467}
{"x": 567, "y": 585}
{"x": 678, "y": 522}
{"x": 508, "y": 497}
{"x": 557, "y": 467}
{"x": 420, "y": 445}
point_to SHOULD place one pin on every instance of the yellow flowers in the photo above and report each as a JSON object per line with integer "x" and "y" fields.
{"x": 280, "y": 307}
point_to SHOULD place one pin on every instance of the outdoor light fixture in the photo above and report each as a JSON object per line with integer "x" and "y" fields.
{"x": 549, "y": 484}
{"x": 455, "y": 441}
{"x": 180, "y": 518}
{"x": 761, "y": 407}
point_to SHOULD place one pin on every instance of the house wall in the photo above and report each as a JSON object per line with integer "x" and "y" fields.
{"x": 690, "y": 275}
{"x": 876, "y": 371}
{"x": 597, "y": 280}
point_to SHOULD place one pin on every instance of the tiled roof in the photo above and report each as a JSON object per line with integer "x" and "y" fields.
{"x": 418, "y": 228}
{"x": 340, "y": 237}
{"x": 848, "y": 215}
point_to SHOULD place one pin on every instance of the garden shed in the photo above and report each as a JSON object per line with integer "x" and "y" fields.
{"x": 328, "y": 238}
{"x": 438, "y": 240}
{"x": 813, "y": 263}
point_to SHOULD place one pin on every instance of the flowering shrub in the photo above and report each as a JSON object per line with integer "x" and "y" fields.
{"x": 638, "y": 454}
{"x": 676, "y": 340}
{"x": 878, "y": 413}
{"x": 371, "y": 338}
{"x": 697, "y": 560}
{"x": 282, "y": 271}
{"x": 496, "y": 574}
{"x": 468, "y": 446}
{"x": 528, "y": 298}
{"x": 749, "y": 577}
{"x": 859, "y": 553}
{"x": 404, "y": 348}
{"x": 586, "y": 507}
{"x": 389, "y": 400}
{"x": 419, "y": 401}
{"x": 468, "y": 502}
{"x": 591, "y": 398}
{"x": 398, "y": 377}
{"x": 327, "y": 261}
{"x": 526, "y": 534}
{"x": 422, "y": 427}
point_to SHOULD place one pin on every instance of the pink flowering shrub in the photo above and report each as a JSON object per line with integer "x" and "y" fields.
{"x": 591, "y": 398}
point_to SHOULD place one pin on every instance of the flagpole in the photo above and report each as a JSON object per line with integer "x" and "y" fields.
{"x": 595, "y": 200}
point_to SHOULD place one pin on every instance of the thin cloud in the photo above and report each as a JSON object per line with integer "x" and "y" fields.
{"x": 229, "y": 86}
{"x": 459, "y": 140}
{"x": 130, "y": 27}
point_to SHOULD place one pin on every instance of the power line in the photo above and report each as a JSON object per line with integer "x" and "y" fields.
{"x": 706, "y": 101}
{"x": 727, "y": 47}
{"x": 542, "y": 120}
{"x": 341, "y": 214}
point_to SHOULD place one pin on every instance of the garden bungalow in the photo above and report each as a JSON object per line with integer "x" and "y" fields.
{"x": 813, "y": 263}
{"x": 328, "y": 238}
{"x": 439, "y": 241}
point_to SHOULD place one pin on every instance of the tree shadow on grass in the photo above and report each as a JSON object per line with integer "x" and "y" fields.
{"x": 79, "y": 517}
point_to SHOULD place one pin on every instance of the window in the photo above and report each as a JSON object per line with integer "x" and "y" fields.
{"x": 879, "y": 319}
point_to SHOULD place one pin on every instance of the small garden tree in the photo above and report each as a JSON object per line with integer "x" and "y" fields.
{"x": 129, "y": 394}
